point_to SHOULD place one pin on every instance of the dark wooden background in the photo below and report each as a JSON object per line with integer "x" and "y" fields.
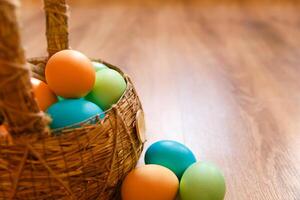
{"x": 223, "y": 77}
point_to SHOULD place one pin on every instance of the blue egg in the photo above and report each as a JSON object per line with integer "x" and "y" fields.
{"x": 68, "y": 112}
{"x": 171, "y": 154}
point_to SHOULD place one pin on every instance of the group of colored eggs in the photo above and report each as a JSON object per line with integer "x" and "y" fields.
{"x": 77, "y": 89}
{"x": 172, "y": 167}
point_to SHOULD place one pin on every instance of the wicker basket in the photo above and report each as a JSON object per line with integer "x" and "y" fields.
{"x": 88, "y": 162}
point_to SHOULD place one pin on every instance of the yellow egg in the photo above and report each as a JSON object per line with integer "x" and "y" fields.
{"x": 150, "y": 182}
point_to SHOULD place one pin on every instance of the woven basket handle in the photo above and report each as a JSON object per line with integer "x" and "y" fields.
{"x": 56, "y": 25}
{"x": 17, "y": 103}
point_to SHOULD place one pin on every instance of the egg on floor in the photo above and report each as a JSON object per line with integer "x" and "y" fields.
{"x": 108, "y": 88}
{"x": 69, "y": 112}
{"x": 44, "y": 96}
{"x": 204, "y": 181}
{"x": 70, "y": 74}
{"x": 171, "y": 154}
{"x": 150, "y": 182}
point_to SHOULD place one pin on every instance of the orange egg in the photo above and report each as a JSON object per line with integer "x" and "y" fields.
{"x": 70, "y": 74}
{"x": 150, "y": 182}
{"x": 43, "y": 94}
{"x": 5, "y": 137}
{"x": 3, "y": 131}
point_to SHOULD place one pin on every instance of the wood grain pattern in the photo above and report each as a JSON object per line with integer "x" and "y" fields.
{"x": 222, "y": 78}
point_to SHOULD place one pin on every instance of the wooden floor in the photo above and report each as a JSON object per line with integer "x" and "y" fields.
{"x": 223, "y": 79}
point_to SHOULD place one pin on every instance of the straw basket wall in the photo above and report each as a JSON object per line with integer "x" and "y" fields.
{"x": 88, "y": 162}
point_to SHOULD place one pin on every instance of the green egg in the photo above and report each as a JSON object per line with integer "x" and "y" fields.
{"x": 202, "y": 181}
{"x": 98, "y": 66}
{"x": 60, "y": 98}
{"x": 109, "y": 87}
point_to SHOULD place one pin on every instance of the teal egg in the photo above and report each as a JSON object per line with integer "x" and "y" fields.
{"x": 99, "y": 66}
{"x": 203, "y": 181}
{"x": 171, "y": 154}
{"x": 72, "y": 111}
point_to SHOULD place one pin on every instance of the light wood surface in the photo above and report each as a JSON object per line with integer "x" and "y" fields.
{"x": 222, "y": 78}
